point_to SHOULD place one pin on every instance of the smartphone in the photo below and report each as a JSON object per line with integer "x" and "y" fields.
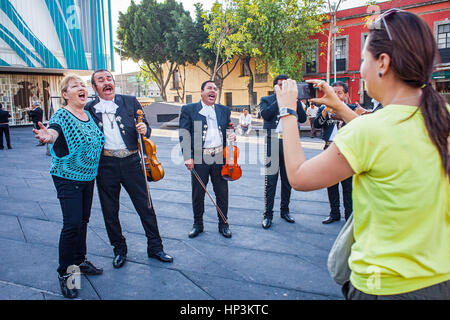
{"x": 306, "y": 90}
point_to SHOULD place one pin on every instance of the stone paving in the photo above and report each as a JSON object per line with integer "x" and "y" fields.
{"x": 286, "y": 262}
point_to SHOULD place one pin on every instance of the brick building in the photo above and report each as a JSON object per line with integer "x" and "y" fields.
{"x": 353, "y": 32}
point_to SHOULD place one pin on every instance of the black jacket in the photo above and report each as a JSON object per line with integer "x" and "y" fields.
{"x": 128, "y": 106}
{"x": 36, "y": 115}
{"x": 194, "y": 125}
{"x": 270, "y": 111}
{"x": 326, "y": 123}
{"x": 4, "y": 115}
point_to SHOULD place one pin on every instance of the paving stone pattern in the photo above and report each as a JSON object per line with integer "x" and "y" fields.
{"x": 286, "y": 262}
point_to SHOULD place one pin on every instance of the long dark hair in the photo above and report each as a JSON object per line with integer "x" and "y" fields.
{"x": 412, "y": 48}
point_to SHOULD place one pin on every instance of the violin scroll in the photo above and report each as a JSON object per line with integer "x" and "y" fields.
{"x": 153, "y": 168}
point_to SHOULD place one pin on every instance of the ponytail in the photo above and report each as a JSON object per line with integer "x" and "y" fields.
{"x": 414, "y": 64}
{"x": 437, "y": 121}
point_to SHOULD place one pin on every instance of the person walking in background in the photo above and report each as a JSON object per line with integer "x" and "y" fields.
{"x": 4, "y": 128}
{"x": 399, "y": 157}
{"x": 275, "y": 162}
{"x": 36, "y": 115}
{"x": 76, "y": 145}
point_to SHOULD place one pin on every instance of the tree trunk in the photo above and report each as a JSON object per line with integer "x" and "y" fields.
{"x": 246, "y": 61}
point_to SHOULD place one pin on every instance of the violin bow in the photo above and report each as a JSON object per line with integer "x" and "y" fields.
{"x": 209, "y": 195}
{"x": 141, "y": 153}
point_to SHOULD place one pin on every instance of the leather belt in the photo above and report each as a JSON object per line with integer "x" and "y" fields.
{"x": 121, "y": 153}
{"x": 212, "y": 151}
{"x": 327, "y": 143}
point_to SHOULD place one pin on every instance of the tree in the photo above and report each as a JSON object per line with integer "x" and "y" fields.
{"x": 225, "y": 37}
{"x": 278, "y": 32}
{"x": 149, "y": 35}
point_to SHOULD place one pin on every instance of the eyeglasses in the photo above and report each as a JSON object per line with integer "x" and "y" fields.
{"x": 383, "y": 17}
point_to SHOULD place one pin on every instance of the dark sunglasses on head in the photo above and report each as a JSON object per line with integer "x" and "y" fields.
{"x": 383, "y": 17}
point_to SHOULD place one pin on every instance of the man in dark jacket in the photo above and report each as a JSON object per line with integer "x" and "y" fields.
{"x": 203, "y": 136}
{"x": 275, "y": 158}
{"x": 4, "y": 128}
{"x": 120, "y": 165}
{"x": 330, "y": 125}
{"x": 36, "y": 115}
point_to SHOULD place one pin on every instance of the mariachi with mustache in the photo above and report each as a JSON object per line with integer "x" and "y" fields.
{"x": 120, "y": 165}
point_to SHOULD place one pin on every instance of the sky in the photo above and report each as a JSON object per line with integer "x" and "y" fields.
{"x": 122, "y": 6}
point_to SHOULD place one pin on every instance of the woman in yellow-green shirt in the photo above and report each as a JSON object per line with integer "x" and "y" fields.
{"x": 400, "y": 160}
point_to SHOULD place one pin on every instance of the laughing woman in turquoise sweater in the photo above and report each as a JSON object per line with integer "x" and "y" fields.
{"x": 76, "y": 146}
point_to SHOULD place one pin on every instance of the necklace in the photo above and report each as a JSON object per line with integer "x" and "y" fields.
{"x": 76, "y": 113}
{"x": 111, "y": 121}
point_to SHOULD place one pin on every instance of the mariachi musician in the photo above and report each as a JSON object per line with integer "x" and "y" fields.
{"x": 203, "y": 136}
{"x": 120, "y": 164}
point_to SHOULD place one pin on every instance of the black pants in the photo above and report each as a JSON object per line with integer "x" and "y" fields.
{"x": 112, "y": 174}
{"x": 270, "y": 186}
{"x": 4, "y": 129}
{"x": 75, "y": 198}
{"x": 333, "y": 198}
{"x": 220, "y": 187}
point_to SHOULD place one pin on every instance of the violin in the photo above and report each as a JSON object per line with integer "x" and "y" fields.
{"x": 231, "y": 171}
{"x": 153, "y": 168}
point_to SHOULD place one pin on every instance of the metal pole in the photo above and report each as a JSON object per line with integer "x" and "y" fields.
{"x": 334, "y": 44}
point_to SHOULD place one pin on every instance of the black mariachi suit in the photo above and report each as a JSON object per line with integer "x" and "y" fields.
{"x": 327, "y": 124}
{"x": 193, "y": 127}
{"x": 269, "y": 112}
{"x": 114, "y": 172}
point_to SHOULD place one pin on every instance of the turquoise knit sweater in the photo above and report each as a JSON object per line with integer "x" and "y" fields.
{"x": 85, "y": 142}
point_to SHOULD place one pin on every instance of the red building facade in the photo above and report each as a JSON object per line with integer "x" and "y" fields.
{"x": 353, "y": 32}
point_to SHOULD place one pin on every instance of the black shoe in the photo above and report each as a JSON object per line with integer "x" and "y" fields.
{"x": 119, "y": 261}
{"x": 267, "y": 222}
{"x": 286, "y": 216}
{"x": 225, "y": 231}
{"x": 161, "y": 256}
{"x": 9, "y": 147}
{"x": 70, "y": 293}
{"x": 196, "y": 230}
{"x": 86, "y": 267}
{"x": 330, "y": 220}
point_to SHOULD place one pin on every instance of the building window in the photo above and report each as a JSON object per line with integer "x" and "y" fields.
{"x": 245, "y": 72}
{"x": 229, "y": 99}
{"x": 364, "y": 37}
{"x": 341, "y": 54}
{"x": 176, "y": 80}
{"x": 261, "y": 74}
{"x": 311, "y": 59}
{"x": 443, "y": 38}
{"x": 189, "y": 98}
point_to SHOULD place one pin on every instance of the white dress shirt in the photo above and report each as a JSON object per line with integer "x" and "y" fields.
{"x": 213, "y": 137}
{"x": 312, "y": 112}
{"x": 111, "y": 130}
{"x": 245, "y": 119}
